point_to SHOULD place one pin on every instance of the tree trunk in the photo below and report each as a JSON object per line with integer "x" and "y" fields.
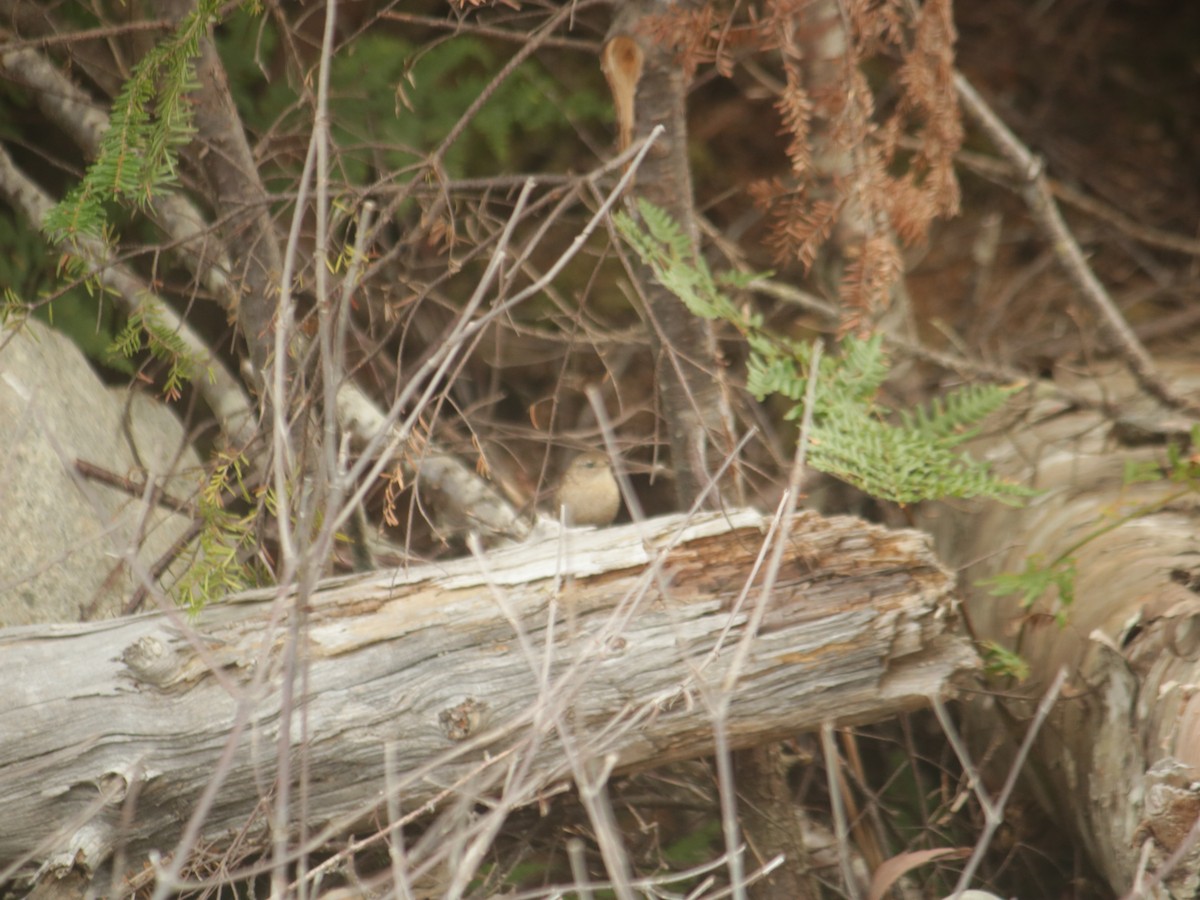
{"x": 608, "y": 643}
{"x": 690, "y": 374}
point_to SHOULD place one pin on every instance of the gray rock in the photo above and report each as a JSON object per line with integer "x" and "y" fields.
{"x": 72, "y": 547}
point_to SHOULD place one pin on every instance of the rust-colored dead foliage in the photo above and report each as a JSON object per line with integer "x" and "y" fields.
{"x": 866, "y": 173}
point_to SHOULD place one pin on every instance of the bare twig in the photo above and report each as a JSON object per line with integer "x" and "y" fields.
{"x": 84, "y": 35}
{"x": 1041, "y": 204}
{"x": 1145, "y": 887}
{"x": 993, "y": 810}
{"x": 490, "y": 31}
{"x": 995, "y": 169}
{"x": 531, "y": 44}
{"x": 778, "y": 543}
{"x": 381, "y": 431}
{"x": 841, "y": 826}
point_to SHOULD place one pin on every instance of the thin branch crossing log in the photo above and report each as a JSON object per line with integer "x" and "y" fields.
{"x": 612, "y": 643}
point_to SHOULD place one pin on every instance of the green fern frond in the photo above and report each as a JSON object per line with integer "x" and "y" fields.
{"x": 946, "y": 417}
{"x": 770, "y": 372}
{"x": 1054, "y": 580}
{"x": 999, "y": 662}
{"x": 860, "y": 368}
{"x": 667, "y": 250}
{"x": 899, "y": 464}
{"x": 664, "y": 230}
{"x": 910, "y": 460}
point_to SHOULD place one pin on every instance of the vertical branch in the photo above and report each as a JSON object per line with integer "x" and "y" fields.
{"x": 321, "y": 484}
{"x": 233, "y": 178}
{"x": 867, "y": 264}
{"x": 691, "y": 380}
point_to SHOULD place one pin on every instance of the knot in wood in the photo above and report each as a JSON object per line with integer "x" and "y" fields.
{"x": 151, "y": 661}
{"x": 463, "y": 720}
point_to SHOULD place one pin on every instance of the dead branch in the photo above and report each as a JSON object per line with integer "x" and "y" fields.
{"x": 1040, "y": 201}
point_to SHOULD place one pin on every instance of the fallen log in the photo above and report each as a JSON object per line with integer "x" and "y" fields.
{"x": 1118, "y": 763}
{"x": 614, "y": 642}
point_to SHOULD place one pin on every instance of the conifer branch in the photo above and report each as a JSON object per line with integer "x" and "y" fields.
{"x": 220, "y": 388}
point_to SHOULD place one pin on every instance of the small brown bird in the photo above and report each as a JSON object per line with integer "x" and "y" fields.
{"x": 588, "y": 490}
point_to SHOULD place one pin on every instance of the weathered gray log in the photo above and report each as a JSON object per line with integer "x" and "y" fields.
{"x": 616, "y": 640}
{"x": 1118, "y": 762}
